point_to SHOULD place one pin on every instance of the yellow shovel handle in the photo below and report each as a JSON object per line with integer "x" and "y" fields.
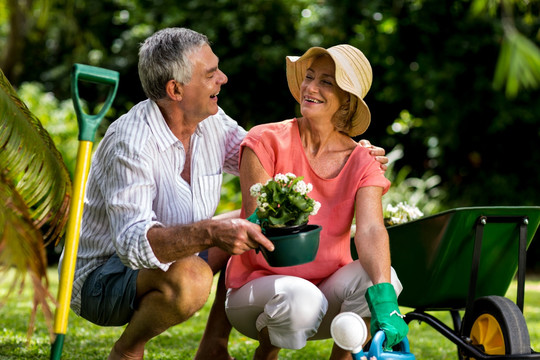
{"x": 73, "y": 230}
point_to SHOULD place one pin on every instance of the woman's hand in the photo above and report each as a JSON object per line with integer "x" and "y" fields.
{"x": 377, "y": 152}
{"x": 385, "y": 315}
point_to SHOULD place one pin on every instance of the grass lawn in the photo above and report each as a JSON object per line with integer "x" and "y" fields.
{"x": 88, "y": 342}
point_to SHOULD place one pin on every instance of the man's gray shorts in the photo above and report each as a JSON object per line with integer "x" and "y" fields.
{"x": 109, "y": 293}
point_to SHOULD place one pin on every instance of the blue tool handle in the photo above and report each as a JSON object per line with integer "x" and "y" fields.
{"x": 376, "y": 349}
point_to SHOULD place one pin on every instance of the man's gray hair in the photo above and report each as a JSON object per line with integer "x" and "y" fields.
{"x": 164, "y": 56}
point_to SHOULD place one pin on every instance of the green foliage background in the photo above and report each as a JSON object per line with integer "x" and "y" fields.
{"x": 464, "y": 139}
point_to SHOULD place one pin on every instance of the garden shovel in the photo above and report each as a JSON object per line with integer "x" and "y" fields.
{"x": 88, "y": 125}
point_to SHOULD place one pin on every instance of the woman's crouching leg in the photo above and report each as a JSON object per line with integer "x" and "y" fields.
{"x": 345, "y": 291}
{"x": 290, "y": 308}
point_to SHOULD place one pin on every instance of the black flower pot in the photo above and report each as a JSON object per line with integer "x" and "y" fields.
{"x": 271, "y": 231}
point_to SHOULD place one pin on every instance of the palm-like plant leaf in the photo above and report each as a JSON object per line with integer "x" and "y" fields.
{"x": 35, "y": 188}
{"x": 518, "y": 66}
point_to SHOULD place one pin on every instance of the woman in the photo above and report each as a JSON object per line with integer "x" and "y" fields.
{"x": 284, "y": 307}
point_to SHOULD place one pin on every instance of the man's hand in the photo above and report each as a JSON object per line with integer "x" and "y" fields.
{"x": 237, "y": 236}
{"x": 234, "y": 236}
{"x": 377, "y": 152}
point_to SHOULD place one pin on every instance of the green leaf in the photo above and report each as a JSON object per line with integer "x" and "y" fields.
{"x": 35, "y": 189}
{"x": 282, "y": 219}
{"x": 479, "y": 7}
{"x": 301, "y": 219}
{"x": 299, "y": 201}
{"x": 518, "y": 66}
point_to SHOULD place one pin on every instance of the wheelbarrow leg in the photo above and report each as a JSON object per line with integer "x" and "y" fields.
{"x": 456, "y": 320}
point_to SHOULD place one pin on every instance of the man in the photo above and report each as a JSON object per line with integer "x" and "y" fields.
{"x": 152, "y": 190}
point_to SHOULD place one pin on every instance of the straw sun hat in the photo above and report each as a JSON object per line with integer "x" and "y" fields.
{"x": 353, "y": 74}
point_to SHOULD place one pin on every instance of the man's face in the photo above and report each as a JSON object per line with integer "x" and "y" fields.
{"x": 200, "y": 94}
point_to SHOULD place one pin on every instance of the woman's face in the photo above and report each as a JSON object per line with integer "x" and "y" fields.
{"x": 320, "y": 95}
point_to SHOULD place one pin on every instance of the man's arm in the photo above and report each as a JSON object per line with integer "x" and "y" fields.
{"x": 148, "y": 243}
{"x": 235, "y": 236}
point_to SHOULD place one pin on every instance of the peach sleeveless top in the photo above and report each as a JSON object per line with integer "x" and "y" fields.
{"x": 279, "y": 148}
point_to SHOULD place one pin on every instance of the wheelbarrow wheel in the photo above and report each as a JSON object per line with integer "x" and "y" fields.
{"x": 497, "y": 327}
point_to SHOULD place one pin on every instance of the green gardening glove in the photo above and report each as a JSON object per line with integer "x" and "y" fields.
{"x": 385, "y": 315}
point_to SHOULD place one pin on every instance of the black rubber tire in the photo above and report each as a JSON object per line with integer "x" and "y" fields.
{"x": 508, "y": 317}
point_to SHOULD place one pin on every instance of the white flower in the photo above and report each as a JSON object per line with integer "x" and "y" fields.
{"x": 309, "y": 188}
{"x": 255, "y": 189}
{"x": 316, "y": 207}
{"x": 300, "y": 187}
{"x": 281, "y": 178}
{"x": 290, "y": 176}
{"x": 402, "y": 213}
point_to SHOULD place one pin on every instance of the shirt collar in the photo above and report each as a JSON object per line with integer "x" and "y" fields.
{"x": 164, "y": 136}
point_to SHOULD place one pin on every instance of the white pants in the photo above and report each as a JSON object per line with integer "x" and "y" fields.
{"x": 295, "y": 310}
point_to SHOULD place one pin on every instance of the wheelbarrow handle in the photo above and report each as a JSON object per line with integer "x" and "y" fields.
{"x": 88, "y": 124}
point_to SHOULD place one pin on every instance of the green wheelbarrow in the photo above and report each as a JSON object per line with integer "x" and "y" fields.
{"x": 88, "y": 125}
{"x": 465, "y": 259}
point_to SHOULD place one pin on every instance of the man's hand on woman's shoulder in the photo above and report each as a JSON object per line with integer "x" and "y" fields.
{"x": 377, "y": 152}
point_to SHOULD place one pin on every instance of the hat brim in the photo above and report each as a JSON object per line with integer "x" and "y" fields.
{"x": 296, "y": 68}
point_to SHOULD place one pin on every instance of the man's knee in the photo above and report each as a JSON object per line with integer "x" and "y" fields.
{"x": 191, "y": 283}
{"x": 186, "y": 285}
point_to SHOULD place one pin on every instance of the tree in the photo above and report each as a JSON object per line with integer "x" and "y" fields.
{"x": 35, "y": 189}
{"x": 434, "y": 63}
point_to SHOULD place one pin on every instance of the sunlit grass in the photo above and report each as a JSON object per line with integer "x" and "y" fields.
{"x": 87, "y": 341}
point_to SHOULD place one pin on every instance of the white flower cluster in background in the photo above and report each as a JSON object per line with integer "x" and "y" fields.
{"x": 394, "y": 215}
{"x": 401, "y": 213}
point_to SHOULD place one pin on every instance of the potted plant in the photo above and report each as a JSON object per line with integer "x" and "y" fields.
{"x": 283, "y": 210}
{"x": 283, "y": 203}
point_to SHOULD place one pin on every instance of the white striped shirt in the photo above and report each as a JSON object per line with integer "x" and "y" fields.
{"x": 135, "y": 184}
